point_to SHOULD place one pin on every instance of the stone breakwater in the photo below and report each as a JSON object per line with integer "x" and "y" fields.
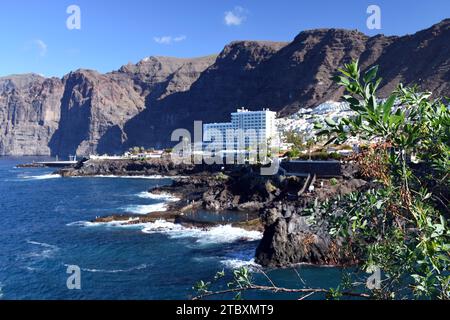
{"x": 273, "y": 204}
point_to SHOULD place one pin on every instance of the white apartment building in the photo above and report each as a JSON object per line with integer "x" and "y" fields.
{"x": 248, "y": 130}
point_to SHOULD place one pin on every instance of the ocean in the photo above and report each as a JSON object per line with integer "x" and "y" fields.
{"x": 45, "y": 228}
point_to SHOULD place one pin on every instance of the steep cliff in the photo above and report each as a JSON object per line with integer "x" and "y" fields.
{"x": 141, "y": 104}
{"x": 29, "y": 113}
{"x": 227, "y": 83}
{"x": 94, "y": 108}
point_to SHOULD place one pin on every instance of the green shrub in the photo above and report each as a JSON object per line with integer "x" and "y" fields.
{"x": 222, "y": 176}
{"x": 333, "y": 181}
{"x": 293, "y": 154}
{"x": 402, "y": 227}
{"x": 320, "y": 156}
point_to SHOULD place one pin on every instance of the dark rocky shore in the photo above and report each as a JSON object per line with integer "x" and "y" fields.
{"x": 162, "y": 166}
{"x": 273, "y": 204}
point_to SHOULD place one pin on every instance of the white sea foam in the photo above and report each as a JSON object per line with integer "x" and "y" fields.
{"x": 228, "y": 234}
{"x": 47, "y": 251}
{"x": 163, "y": 199}
{"x": 145, "y": 208}
{"x": 42, "y": 177}
{"x": 214, "y": 235}
{"x": 139, "y": 267}
{"x": 154, "y": 196}
{"x": 124, "y": 223}
{"x": 242, "y": 258}
{"x": 84, "y": 224}
{"x": 43, "y": 244}
{"x": 162, "y": 226}
{"x": 237, "y": 264}
{"x": 218, "y": 234}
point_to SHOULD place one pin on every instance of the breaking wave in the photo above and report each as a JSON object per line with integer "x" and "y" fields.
{"x": 145, "y": 208}
{"x": 42, "y": 177}
{"x": 163, "y": 199}
{"x": 237, "y": 264}
{"x": 103, "y": 224}
{"x": 214, "y": 235}
{"x": 154, "y": 196}
{"x": 218, "y": 234}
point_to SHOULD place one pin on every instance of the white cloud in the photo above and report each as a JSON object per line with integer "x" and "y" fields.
{"x": 163, "y": 40}
{"x": 179, "y": 38}
{"x": 169, "y": 39}
{"x": 236, "y": 16}
{"x": 42, "y": 47}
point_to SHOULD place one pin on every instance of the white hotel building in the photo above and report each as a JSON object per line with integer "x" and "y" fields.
{"x": 248, "y": 130}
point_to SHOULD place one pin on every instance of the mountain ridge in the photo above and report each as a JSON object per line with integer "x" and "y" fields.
{"x": 141, "y": 104}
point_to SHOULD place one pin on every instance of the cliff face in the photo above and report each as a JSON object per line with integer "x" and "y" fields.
{"x": 227, "y": 83}
{"x": 94, "y": 108}
{"x": 29, "y": 113}
{"x": 141, "y": 104}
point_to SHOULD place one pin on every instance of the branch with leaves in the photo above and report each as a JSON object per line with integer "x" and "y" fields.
{"x": 243, "y": 282}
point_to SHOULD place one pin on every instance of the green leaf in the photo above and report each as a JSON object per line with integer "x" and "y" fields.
{"x": 377, "y": 84}
{"x": 387, "y": 107}
{"x": 219, "y": 275}
{"x": 396, "y": 119}
{"x": 330, "y": 122}
{"x": 344, "y": 72}
{"x": 351, "y": 100}
{"x": 371, "y": 74}
{"x": 318, "y": 126}
{"x": 342, "y": 80}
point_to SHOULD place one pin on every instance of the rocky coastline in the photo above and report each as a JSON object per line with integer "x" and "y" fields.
{"x": 154, "y": 167}
{"x": 273, "y": 205}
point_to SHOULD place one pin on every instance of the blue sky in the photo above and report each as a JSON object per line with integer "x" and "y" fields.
{"x": 34, "y": 36}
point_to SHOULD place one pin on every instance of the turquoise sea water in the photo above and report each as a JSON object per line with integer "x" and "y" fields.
{"x": 44, "y": 228}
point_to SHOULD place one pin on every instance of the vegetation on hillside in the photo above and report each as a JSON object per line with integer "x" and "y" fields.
{"x": 400, "y": 226}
